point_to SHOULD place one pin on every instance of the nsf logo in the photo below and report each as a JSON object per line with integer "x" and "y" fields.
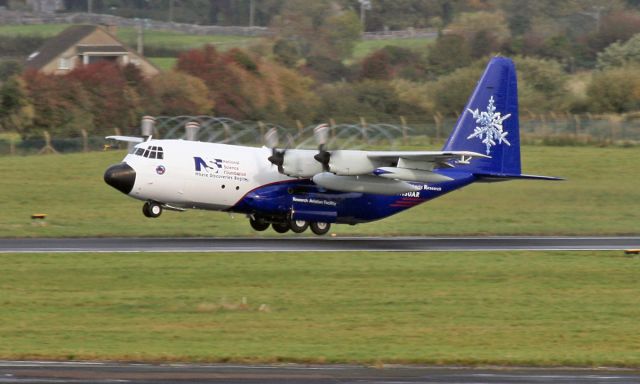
{"x": 160, "y": 170}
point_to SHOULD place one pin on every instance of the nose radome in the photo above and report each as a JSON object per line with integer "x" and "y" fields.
{"x": 121, "y": 177}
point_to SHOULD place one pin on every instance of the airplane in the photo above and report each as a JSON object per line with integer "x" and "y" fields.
{"x": 297, "y": 189}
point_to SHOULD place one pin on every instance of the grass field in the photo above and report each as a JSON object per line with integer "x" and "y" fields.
{"x": 164, "y": 63}
{"x": 365, "y": 47}
{"x": 168, "y": 39}
{"x": 507, "y": 308}
{"x": 600, "y": 197}
{"x": 177, "y": 40}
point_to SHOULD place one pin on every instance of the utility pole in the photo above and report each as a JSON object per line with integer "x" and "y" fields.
{"x": 598, "y": 12}
{"x": 139, "y": 37}
{"x": 252, "y": 12}
{"x": 365, "y": 5}
{"x": 597, "y": 15}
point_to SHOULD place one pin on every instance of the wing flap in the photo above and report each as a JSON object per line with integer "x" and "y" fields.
{"x": 429, "y": 156}
{"x": 425, "y": 160}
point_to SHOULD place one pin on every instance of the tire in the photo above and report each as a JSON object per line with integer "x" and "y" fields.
{"x": 145, "y": 210}
{"x": 280, "y": 227}
{"x": 320, "y": 228}
{"x": 258, "y": 224}
{"x": 151, "y": 209}
{"x": 298, "y": 226}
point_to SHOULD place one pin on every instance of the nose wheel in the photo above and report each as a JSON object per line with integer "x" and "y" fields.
{"x": 152, "y": 209}
{"x": 258, "y": 224}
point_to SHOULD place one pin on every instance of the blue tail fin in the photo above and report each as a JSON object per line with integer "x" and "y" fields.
{"x": 490, "y": 122}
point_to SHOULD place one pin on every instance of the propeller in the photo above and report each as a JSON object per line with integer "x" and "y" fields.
{"x": 271, "y": 141}
{"x": 321, "y": 135}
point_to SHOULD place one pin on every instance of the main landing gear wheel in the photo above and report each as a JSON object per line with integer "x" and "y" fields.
{"x": 298, "y": 226}
{"x": 151, "y": 209}
{"x": 258, "y": 224}
{"x": 280, "y": 227}
{"x": 320, "y": 228}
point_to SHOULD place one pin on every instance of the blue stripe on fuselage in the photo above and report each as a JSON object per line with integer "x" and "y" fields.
{"x": 278, "y": 199}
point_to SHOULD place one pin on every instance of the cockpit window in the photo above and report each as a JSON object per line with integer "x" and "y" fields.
{"x": 150, "y": 152}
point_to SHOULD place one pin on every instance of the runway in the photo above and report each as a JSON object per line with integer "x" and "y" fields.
{"x": 98, "y": 372}
{"x": 314, "y": 244}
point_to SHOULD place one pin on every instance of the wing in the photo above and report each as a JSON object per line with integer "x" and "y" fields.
{"x": 386, "y": 172}
{"x": 425, "y": 160}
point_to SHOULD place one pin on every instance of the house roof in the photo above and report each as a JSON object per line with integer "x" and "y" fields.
{"x": 101, "y": 49}
{"x": 55, "y": 46}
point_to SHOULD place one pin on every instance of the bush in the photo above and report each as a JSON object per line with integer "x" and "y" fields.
{"x": 181, "y": 94}
{"x": 615, "y": 90}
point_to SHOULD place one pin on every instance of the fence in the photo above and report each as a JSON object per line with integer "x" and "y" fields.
{"x": 549, "y": 129}
{"x": 409, "y": 33}
{"x": 29, "y": 18}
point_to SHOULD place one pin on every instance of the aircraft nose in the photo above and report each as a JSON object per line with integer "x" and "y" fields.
{"x": 121, "y": 177}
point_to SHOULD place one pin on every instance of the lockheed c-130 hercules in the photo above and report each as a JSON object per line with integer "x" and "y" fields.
{"x": 296, "y": 189}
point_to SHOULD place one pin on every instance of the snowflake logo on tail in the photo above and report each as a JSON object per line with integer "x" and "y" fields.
{"x": 489, "y": 126}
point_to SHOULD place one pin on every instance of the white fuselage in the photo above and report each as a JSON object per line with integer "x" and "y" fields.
{"x": 199, "y": 175}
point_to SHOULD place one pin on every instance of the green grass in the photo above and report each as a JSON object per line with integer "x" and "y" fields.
{"x": 179, "y": 40}
{"x": 164, "y": 63}
{"x": 599, "y": 198}
{"x": 507, "y": 308}
{"x": 365, "y": 47}
{"x": 45, "y": 30}
{"x": 168, "y": 39}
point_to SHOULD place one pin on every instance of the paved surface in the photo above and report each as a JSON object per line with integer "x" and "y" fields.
{"x": 96, "y": 372}
{"x": 300, "y": 244}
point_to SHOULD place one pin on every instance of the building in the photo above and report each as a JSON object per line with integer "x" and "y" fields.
{"x": 85, "y": 44}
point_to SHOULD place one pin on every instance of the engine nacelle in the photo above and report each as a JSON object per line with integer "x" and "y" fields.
{"x": 300, "y": 163}
{"x": 411, "y": 175}
{"x": 349, "y": 162}
{"x": 364, "y": 184}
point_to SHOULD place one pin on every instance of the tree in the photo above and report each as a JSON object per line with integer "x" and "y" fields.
{"x": 181, "y": 94}
{"x": 61, "y": 107}
{"x": 9, "y": 68}
{"x": 318, "y": 28}
{"x": 451, "y": 92}
{"x": 615, "y": 90}
{"x": 486, "y": 32}
{"x": 447, "y": 54}
{"x": 377, "y": 66}
{"x": 614, "y": 27}
{"x": 620, "y": 54}
{"x": 114, "y": 104}
{"x": 16, "y": 112}
{"x": 216, "y": 72}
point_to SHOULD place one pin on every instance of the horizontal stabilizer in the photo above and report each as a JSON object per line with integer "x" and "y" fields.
{"x": 129, "y": 139}
{"x": 504, "y": 177}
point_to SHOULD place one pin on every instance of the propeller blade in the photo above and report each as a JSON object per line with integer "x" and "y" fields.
{"x": 276, "y": 158}
{"x": 271, "y": 138}
{"x": 323, "y": 156}
{"x": 321, "y": 134}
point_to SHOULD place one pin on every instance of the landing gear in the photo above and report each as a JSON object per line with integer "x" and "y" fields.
{"x": 320, "y": 228}
{"x": 280, "y": 227}
{"x": 298, "y": 226}
{"x": 258, "y": 224}
{"x": 152, "y": 209}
